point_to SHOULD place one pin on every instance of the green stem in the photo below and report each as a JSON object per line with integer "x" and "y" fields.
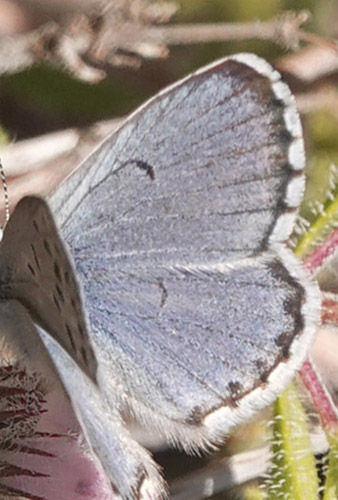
{"x": 318, "y": 230}
{"x": 293, "y": 472}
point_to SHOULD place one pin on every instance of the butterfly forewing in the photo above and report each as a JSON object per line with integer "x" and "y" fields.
{"x": 200, "y": 173}
{"x": 35, "y": 269}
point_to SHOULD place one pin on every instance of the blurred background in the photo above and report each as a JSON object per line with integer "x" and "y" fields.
{"x": 66, "y": 64}
{"x": 45, "y": 98}
{"x": 74, "y": 68}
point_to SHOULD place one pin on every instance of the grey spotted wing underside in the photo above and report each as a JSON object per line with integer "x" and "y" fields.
{"x": 188, "y": 341}
{"x": 177, "y": 226}
{"x": 35, "y": 270}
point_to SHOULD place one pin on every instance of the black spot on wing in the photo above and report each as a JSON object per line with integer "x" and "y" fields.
{"x": 146, "y": 167}
{"x": 67, "y": 277}
{"x": 57, "y": 271}
{"x": 164, "y": 291}
{"x": 37, "y": 262}
{"x": 36, "y": 227}
{"x": 56, "y": 302}
{"x": 31, "y": 269}
{"x": 60, "y": 293}
{"x": 70, "y": 336}
{"x": 47, "y": 247}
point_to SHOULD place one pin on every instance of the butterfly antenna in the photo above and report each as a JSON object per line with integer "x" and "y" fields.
{"x": 6, "y": 195}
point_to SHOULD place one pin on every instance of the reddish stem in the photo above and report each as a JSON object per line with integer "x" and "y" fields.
{"x": 320, "y": 397}
{"x": 316, "y": 258}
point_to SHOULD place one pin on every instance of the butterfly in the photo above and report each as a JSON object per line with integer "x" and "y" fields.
{"x": 172, "y": 237}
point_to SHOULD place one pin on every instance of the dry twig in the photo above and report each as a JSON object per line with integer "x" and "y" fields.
{"x": 311, "y": 63}
{"x": 104, "y": 33}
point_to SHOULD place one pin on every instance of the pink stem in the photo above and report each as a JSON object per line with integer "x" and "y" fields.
{"x": 320, "y": 397}
{"x": 318, "y": 392}
{"x": 316, "y": 258}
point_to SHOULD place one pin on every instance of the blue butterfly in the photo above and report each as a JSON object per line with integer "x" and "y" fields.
{"x": 176, "y": 228}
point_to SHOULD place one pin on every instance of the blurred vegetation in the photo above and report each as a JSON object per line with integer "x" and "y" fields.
{"x": 41, "y": 99}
